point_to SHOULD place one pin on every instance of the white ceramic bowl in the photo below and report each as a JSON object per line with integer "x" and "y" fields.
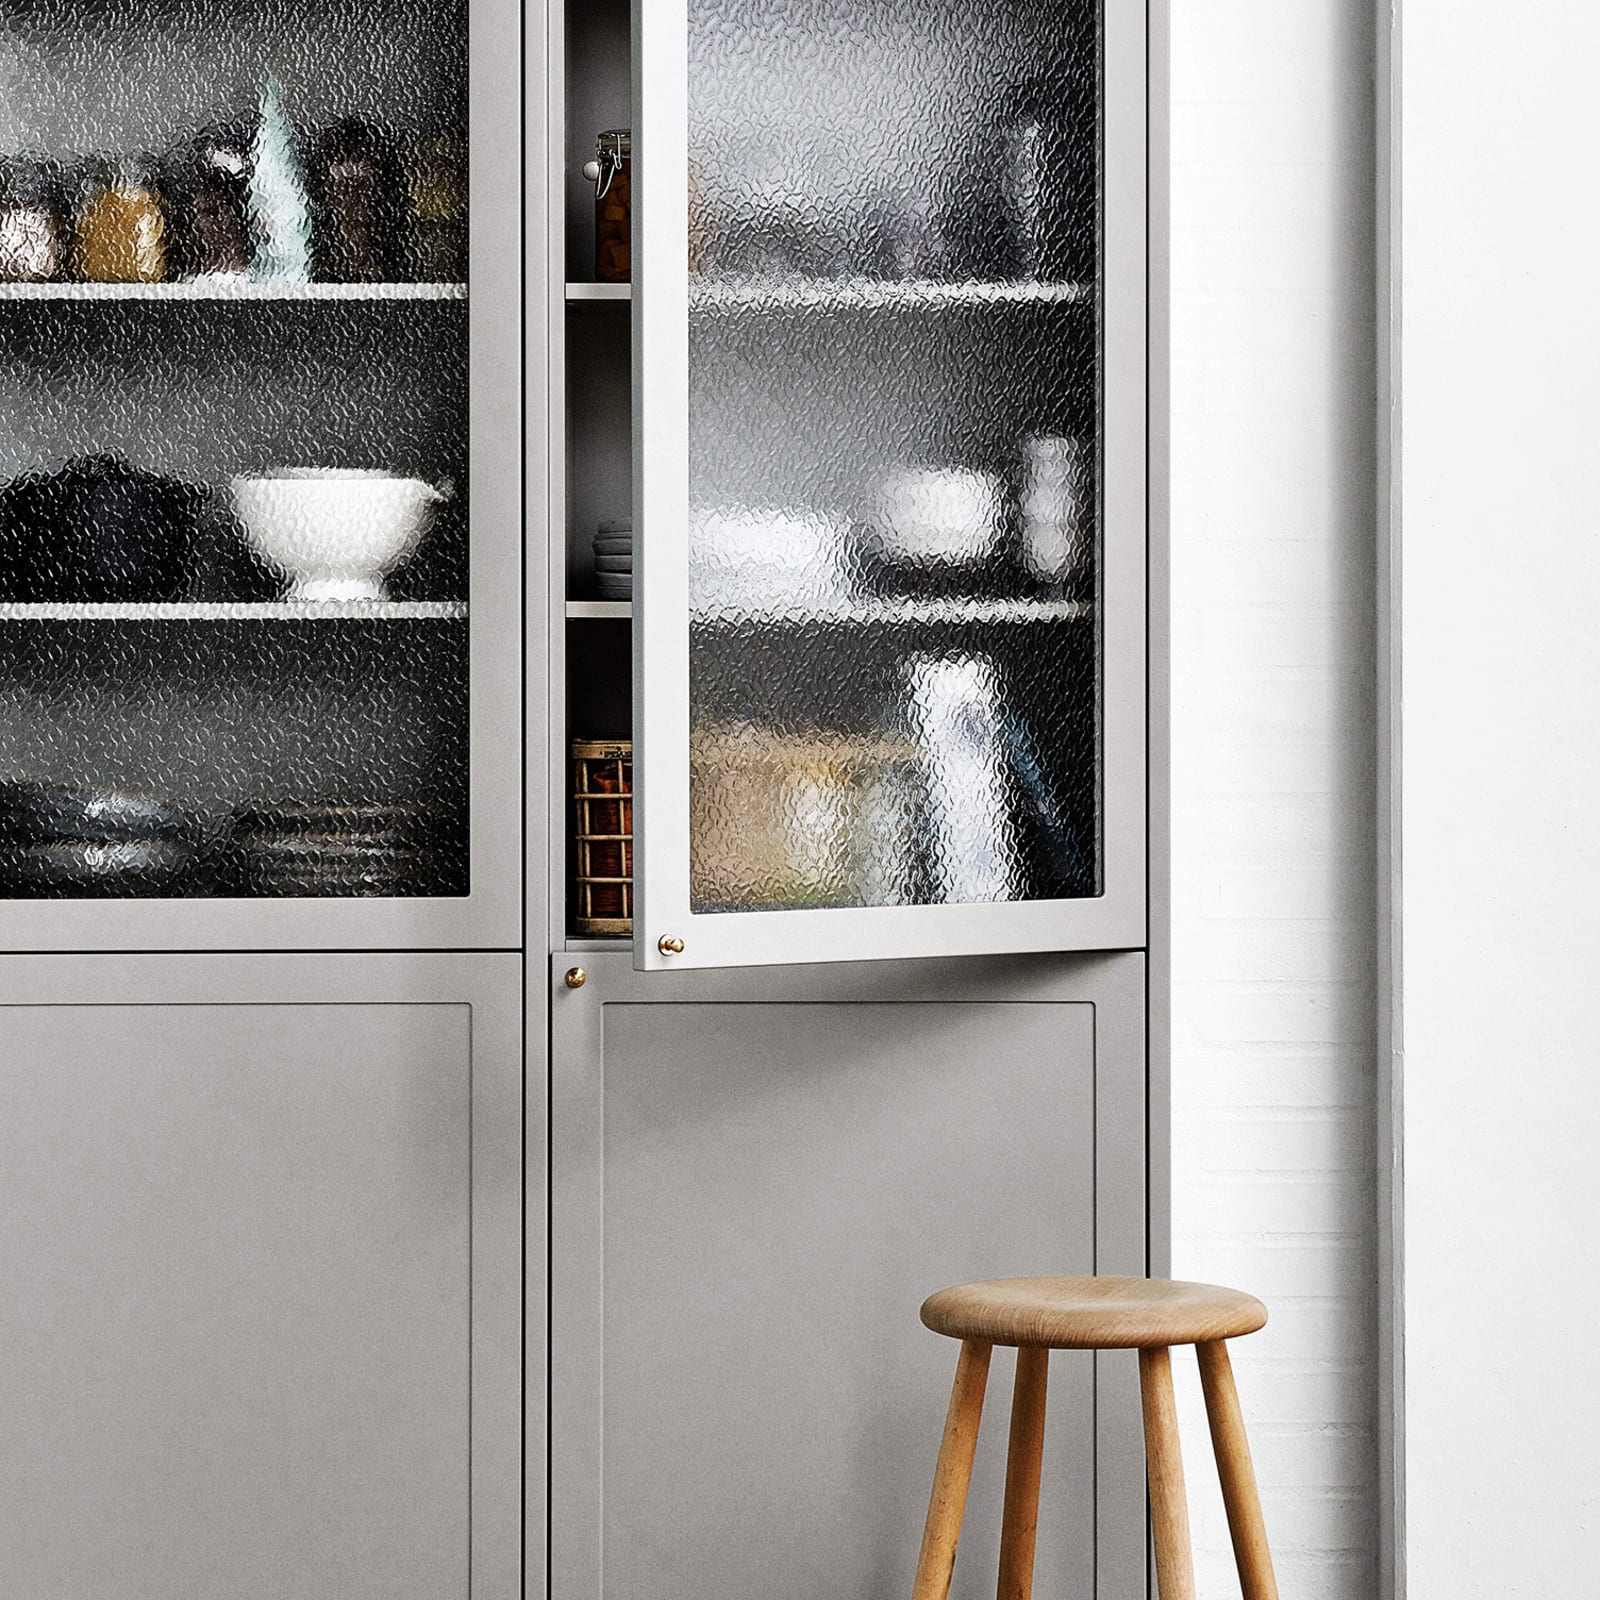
{"x": 766, "y": 556}
{"x": 938, "y": 516}
{"x": 333, "y": 533}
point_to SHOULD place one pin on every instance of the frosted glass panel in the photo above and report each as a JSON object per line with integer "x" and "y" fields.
{"x": 233, "y": 469}
{"x": 894, "y": 453}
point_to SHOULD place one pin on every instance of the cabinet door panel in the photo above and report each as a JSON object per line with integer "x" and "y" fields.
{"x": 754, "y": 1191}
{"x": 891, "y": 360}
{"x": 241, "y": 1328}
{"x": 320, "y": 275}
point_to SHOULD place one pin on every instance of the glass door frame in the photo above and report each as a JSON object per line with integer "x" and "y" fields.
{"x": 491, "y": 914}
{"x": 1116, "y": 919}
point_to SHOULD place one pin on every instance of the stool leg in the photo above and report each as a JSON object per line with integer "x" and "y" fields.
{"x": 948, "y": 1502}
{"x": 1238, "y": 1475}
{"x": 1023, "y": 1461}
{"x": 1169, "y": 1509}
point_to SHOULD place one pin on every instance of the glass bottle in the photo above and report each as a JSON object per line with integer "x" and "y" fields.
{"x": 435, "y": 168}
{"x": 33, "y": 233}
{"x": 122, "y": 232}
{"x": 611, "y": 172}
{"x": 1048, "y": 180}
{"x": 280, "y": 210}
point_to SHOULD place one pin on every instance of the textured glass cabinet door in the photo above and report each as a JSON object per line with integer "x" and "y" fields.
{"x": 259, "y": 482}
{"x": 890, "y": 345}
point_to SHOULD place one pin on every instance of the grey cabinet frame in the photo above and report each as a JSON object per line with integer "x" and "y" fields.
{"x": 1133, "y": 1199}
{"x": 1113, "y": 984}
{"x": 490, "y": 985}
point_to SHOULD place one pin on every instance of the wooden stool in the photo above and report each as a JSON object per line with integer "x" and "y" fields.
{"x": 1039, "y": 1315}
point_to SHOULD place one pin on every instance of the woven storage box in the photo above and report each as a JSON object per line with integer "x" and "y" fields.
{"x": 784, "y": 820}
{"x": 602, "y": 836}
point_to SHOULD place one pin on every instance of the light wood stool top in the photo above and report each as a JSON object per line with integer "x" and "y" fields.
{"x": 1092, "y": 1313}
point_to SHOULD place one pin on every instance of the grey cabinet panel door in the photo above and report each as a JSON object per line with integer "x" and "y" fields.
{"x": 756, "y": 1183}
{"x": 244, "y": 1317}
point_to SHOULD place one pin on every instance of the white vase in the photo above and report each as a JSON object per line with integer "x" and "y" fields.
{"x": 280, "y": 211}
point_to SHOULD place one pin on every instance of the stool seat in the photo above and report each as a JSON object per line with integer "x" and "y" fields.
{"x": 1039, "y": 1315}
{"x": 1092, "y": 1313}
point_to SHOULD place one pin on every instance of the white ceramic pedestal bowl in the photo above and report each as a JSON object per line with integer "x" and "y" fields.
{"x": 334, "y": 533}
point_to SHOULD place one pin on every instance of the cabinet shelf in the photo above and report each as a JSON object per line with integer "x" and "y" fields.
{"x": 235, "y": 611}
{"x": 233, "y": 291}
{"x": 856, "y": 613}
{"x": 871, "y": 294}
{"x": 891, "y": 613}
{"x": 875, "y": 613}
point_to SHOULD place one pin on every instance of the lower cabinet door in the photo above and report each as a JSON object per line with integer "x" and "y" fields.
{"x": 756, "y": 1179}
{"x": 260, "y": 1277}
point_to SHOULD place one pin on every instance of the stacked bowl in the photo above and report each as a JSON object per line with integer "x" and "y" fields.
{"x": 320, "y": 848}
{"x": 613, "y": 559}
{"x": 61, "y": 842}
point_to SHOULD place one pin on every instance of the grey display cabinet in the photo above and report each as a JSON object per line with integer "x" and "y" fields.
{"x": 891, "y": 1014}
{"x": 264, "y": 1135}
{"x": 413, "y": 1241}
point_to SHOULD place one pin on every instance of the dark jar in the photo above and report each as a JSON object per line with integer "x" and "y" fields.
{"x": 356, "y": 194}
{"x": 611, "y": 172}
{"x": 435, "y": 173}
{"x": 214, "y": 238}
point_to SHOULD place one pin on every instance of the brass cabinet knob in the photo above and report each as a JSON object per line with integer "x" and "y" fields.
{"x": 576, "y": 977}
{"x": 669, "y": 946}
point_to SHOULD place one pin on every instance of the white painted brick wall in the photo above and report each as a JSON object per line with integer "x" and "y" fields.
{"x": 1272, "y": 715}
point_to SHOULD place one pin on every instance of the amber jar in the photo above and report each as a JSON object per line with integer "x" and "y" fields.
{"x": 122, "y": 229}
{"x": 612, "y": 175}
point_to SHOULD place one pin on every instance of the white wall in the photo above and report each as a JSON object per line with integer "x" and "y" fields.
{"x": 1273, "y": 417}
{"x": 1500, "y": 779}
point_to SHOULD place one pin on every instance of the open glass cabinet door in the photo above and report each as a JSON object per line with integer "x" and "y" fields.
{"x": 890, "y": 364}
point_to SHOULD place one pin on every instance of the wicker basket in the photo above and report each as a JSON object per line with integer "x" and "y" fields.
{"x": 602, "y": 837}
